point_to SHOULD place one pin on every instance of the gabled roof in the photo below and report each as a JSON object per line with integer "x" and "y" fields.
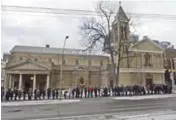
{"x": 149, "y": 41}
{"x": 26, "y": 62}
{"x": 122, "y": 14}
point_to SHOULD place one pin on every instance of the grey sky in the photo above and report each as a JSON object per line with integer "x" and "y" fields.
{"x": 39, "y": 30}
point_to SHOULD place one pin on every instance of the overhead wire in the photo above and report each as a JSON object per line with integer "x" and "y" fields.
{"x": 78, "y": 13}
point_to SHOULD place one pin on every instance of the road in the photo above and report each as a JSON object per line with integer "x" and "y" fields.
{"x": 91, "y": 106}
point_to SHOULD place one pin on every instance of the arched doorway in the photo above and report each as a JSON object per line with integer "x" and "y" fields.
{"x": 148, "y": 79}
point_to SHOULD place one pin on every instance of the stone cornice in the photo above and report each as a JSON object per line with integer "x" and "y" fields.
{"x": 141, "y": 70}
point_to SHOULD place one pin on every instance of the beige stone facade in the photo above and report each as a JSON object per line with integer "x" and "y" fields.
{"x": 146, "y": 65}
{"x": 30, "y": 67}
{"x": 143, "y": 61}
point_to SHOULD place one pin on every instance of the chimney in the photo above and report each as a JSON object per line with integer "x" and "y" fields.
{"x": 47, "y": 46}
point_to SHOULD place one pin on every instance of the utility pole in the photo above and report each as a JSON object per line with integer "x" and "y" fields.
{"x": 61, "y": 65}
{"x": 89, "y": 62}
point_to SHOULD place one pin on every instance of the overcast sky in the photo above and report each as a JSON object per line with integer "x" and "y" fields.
{"x": 39, "y": 30}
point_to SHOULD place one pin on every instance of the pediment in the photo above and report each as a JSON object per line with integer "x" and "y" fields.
{"x": 27, "y": 66}
{"x": 147, "y": 45}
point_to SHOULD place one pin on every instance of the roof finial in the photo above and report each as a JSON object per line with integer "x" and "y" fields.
{"x": 120, "y": 3}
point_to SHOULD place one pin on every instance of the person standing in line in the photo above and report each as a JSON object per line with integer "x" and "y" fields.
{"x": 53, "y": 93}
{"x": 95, "y": 91}
{"x": 85, "y": 92}
{"x": 2, "y": 93}
{"x": 24, "y": 94}
{"x": 91, "y": 92}
{"x": 11, "y": 94}
{"x": 48, "y": 93}
{"x": 19, "y": 94}
{"x": 99, "y": 91}
{"x": 57, "y": 93}
{"x": 16, "y": 93}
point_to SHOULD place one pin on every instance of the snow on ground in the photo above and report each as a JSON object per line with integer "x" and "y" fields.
{"x": 144, "y": 97}
{"x": 22, "y": 103}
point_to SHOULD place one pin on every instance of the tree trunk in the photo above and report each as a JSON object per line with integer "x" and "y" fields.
{"x": 118, "y": 75}
{"x": 113, "y": 68}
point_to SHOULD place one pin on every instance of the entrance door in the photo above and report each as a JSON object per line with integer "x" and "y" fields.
{"x": 28, "y": 84}
{"x": 149, "y": 81}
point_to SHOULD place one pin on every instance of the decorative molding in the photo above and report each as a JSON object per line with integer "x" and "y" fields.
{"x": 141, "y": 70}
{"x": 146, "y": 51}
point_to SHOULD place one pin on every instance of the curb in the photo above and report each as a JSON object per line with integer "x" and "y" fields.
{"x": 145, "y": 97}
{"x": 39, "y": 103}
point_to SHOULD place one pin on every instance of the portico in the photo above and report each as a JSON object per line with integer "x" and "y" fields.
{"x": 33, "y": 76}
{"x": 26, "y": 81}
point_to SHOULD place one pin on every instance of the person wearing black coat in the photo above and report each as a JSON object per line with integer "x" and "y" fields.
{"x": 2, "y": 93}
{"x": 19, "y": 94}
{"x": 53, "y": 93}
{"x": 7, "y": 96}
{"x": 11, "y": 94}
{"x": 85, "y": 92}
{"x": 24, "y": 94}
{"x": 16, "y": 93}
{"x": 95, "y": 91}
{"x": 48, "y": 93}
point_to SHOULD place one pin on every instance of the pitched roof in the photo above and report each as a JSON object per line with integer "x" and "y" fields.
{"x": 26, "y": 62}
{"x": 122, "y": 14}
{"x": 149, "y": 41}
{"x": 45, "y": 50}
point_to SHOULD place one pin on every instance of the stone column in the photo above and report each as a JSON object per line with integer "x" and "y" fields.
{"x": 142, "y": 63}
{"x": 162, "y": 61}
{"x": 20, "y": 82}
{"x": 10, "y": 81}
{"x": 34, "y": 82}
{"x": 152, "y": 62}
{"x": 163, "y": 78}
{"x": 47, "y": 82}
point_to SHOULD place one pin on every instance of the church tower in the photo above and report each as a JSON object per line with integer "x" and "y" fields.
{"x": 121, "y": 35}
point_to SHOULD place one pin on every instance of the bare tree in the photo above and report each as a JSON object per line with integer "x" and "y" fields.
{"x": 98, "y": 33}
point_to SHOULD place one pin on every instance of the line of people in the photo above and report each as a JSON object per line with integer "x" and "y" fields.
{"x": 39, "y": 94}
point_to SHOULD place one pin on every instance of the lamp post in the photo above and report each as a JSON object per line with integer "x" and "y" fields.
{"x": 62, "y": 57}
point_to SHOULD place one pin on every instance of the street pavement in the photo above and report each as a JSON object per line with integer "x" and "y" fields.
{"x": 90, "y": 109}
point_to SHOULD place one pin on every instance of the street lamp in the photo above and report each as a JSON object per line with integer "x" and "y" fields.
{"x": 62, "y": 57}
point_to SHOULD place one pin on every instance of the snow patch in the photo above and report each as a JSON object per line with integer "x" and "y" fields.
{"x": 23, "y": 103}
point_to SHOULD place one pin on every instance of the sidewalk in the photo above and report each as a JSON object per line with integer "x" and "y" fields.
{"x": 39, "y": 102}
{"x": 144, "y": 97}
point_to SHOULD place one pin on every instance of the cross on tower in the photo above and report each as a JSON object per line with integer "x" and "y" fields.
{"x": 120, "y": 2}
